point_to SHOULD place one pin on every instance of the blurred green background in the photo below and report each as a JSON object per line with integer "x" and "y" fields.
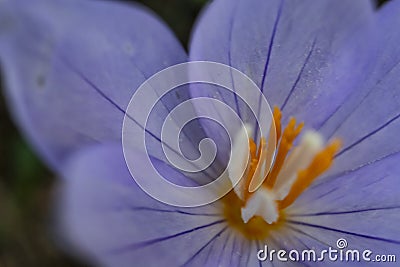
{"x": 26, "y": 184}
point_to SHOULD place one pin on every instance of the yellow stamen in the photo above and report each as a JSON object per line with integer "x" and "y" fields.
{"x": 319, "y": 159}
{"x": 321, "y": 162}
{"x": 278, "y": 126}
{"x": 289, "y": 135}
{"x": 255, "y": 160}
{"x": 252, "y": 148}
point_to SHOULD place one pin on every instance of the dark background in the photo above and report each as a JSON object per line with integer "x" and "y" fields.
{"x": 26, "y": 184}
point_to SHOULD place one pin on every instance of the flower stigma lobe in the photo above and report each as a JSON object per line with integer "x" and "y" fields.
{"x": 294, "y": 168}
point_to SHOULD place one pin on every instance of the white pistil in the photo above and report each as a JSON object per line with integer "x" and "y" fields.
{"x": 261, "y": 203}
{"x": 300, "y": 158}
{"x": 240, "y": 159}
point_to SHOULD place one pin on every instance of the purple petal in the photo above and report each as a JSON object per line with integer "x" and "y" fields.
{"x": 319, "y": 237}
{"x": 72, "y": 66}
{"x": 106, "y": 215}
{"x": 369, "y": 123}
{"x": 357, "y": 204}
{"x": 217, "y": 251}
{"x": 285, "y": 46}
{"x": 296, "y": 237}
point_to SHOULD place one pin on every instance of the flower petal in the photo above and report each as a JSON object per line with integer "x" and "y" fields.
{"x": 285, "y": 46}
{"x": 357, "y": 204}
{"x": 72, "y": 66}
{"x": 369, "y": 121}
{"x": 106, "y": 215}
{"x": 319, "y": 237}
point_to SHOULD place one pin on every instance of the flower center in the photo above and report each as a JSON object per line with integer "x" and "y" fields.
{"x": 294, "y": 168}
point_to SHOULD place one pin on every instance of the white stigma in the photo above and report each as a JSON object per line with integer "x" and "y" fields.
{"x": 263, "y": 202}
{"x": 299, "y": 159}
{"x": 240, "y": 159}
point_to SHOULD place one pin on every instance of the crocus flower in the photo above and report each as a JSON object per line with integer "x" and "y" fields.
{"x": 71, "y": 67}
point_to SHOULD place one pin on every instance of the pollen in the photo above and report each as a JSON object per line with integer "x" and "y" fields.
{"x": 294, "y": 169}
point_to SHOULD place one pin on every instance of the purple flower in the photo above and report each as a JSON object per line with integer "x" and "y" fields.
{"x": 71, "y": 67}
